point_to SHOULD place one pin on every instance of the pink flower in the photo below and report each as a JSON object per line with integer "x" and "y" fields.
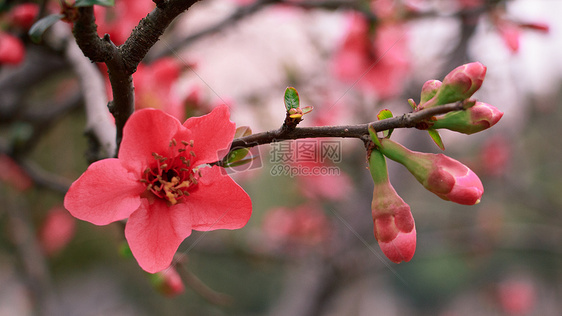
{"x": 12, "y": 50}
{"x": 153, "y": 87}
{"x": 160, "y": 183}
{"x": 380, "y": 64}
{"x": 446, "y": 177}
{"x": 56, "y": 231}
{"x": 477, "y": 118}
{"x": 394, "y": 225}
{"x": 517, "y": 296}
{"x": 306, "y": 225}
{"x": 495, "y": 156}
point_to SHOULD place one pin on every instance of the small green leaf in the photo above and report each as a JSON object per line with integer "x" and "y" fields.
{"x": 436, "y": 138}
{"x": 89, "y": 3}
{"x": 385, "y": 114}
{"x": 236, "y": 155}
{"x": 36, "y": 31}
{"x": 291, "y": 98}
{"x": 241, "y": 162}
{"x": 307, "y": 109}
{"x": 374, "y": 136}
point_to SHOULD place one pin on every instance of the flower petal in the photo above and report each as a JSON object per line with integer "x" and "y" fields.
{"x": 155, "y": 231}
{"x": 402, "y": 248}
{"x": 219, "y": 202}
{"x": 106, "y": 192}
{"x": 212, "y": 134}
{"x": 147, "y": 131}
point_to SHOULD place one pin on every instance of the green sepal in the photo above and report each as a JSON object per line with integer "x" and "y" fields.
{"x": 89, "y": 3}
{"x": 291, "y": 98}
{"x": 374, "y": 136}
{"x": 413, "y": 104}
{"x": 434, "y": 134}
{"x": 377, "y": 167}
{"x": 38, "y": 28}
{"x": 385, "y": 114}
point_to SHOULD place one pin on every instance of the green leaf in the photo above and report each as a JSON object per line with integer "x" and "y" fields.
{"x": 89, "y": 3}
{"x": 291, "y": 98}
{"x": 236, "y": 155}
{"x": 307, "y": 109}
{"x": 436, "y": 138}
{"x": 36, "y": 31}
{"x": 385, "y": 114}
{"x": 241, "y": 162}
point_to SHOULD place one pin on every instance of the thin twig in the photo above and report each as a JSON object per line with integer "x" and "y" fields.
{"x": 407, "y": 120}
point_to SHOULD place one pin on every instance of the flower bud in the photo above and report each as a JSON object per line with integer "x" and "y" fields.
{"x": 168, "y": 282}
{"x": 429, "y": 89}
{"x": 472, "y": 120}
{"x": 446, "y": 177}
{"x": 12, "y": 50}
{"x": 394, "y": 226}
{"x": 56, "y": 231}
{"x": 461, "y": 83}
{"x": 23, "y": 15}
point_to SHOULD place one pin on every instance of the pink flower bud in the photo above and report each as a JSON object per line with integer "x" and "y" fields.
{"x": 400, "y": 249}
{"x": 461, "y": 83}
{"x": 446, "y": 177}
{"x": 394, "y": 226}
{"x": 472, "y": 120}
{"x": 168, "y": 282}
{"x": 24, "y": 15}
{"x": 429, "y": 89}
{"x": 12, "y": 50}
{"x": 57, "y": 230}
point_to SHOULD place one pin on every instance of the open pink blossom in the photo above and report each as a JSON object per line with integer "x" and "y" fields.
{"x": 161, "y": 184}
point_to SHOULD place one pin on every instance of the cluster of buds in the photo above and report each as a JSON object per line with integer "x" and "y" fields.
{"x": 447, "y": 178}
{"x": 459, "y": 85}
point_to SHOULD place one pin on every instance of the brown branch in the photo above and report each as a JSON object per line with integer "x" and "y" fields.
{"x": 149, "y": 30}
{"x": 122, "y": 61}
{"x": 407, "y": 120}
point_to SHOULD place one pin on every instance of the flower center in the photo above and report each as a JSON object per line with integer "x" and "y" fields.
{"x": 172, "y": 177}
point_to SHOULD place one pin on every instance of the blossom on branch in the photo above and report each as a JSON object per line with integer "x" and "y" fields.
{"x": 161, "y": 182}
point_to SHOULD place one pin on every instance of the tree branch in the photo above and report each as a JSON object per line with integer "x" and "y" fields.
{"x": 407, "y": 120}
